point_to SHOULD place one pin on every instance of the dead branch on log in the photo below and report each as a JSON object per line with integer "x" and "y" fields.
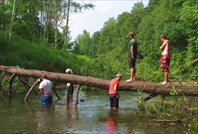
{"x": 159, "y": 121}
{"x": 77, "y": 94}
{"x": 1, "y": 78}
{"x": 166, "y": 123}
{"x": 150, "y": 96}
{"x": 26, "y": 85}
{"x": 195, "y": 60}
{"x": 10, "y": 83}
{"x": 54, "y": 89}
{"x": 32, "y": 87}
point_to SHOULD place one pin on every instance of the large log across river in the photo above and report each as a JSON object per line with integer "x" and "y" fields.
{"x": 148, "y": 87}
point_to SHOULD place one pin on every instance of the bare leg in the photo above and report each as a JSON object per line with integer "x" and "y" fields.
{"x": 165, "y": 78}
{"x": 132, "y": 75}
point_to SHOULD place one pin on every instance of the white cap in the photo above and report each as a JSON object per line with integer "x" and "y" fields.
{"x": 68, "y": 71}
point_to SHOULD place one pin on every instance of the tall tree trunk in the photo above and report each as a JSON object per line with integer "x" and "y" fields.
{"x": 2, "y": 17}
{"x": 66, "y": 29}
{"x": 56, "y": 25}
{"x": 47, "y": 24}
{"x": 47, "y": 21}
{"x": 147, "y": 87}
{"x": 12, "y": 19}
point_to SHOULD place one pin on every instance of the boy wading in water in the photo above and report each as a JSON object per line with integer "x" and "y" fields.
{"x": 165, "y": 58}
{"x": 45, "y": 89}
{"x": 69, "y": 86}
{"x": 113, "y": 91}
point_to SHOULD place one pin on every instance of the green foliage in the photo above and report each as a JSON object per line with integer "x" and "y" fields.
{"x": 25, "y": 54}
{"x": 172, "y": 107}
{"x": 108, "y": 47}
{"x": 177, "y": 19}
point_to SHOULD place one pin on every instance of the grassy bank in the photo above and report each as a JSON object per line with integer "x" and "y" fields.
{"x": 27, "y": 55}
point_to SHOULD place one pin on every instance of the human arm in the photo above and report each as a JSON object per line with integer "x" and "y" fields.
{"x": 41, "y": 91}
{"x": 132, "y": 53}
{"x": 41, "y": 88}
{"x": 164, "y": 44}
{"x": 68, "y": 84}
{"x": 115, "y": 88}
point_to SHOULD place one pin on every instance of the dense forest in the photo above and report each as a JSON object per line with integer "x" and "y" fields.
{"x": 40, "y": 28}
{"x": 178, "y": 19}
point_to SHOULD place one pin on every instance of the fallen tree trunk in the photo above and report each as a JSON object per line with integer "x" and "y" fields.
{"x": 148, "y": 87}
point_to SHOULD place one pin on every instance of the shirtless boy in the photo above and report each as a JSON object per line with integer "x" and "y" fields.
{"x": 165, "y": 58}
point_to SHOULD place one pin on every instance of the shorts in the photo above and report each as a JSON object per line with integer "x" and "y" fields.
{"x": 114, "y": 100}
{"x": 165, "y": 60}
{"x": 46, "y": 99}
{"x": 131, "y": 62}
{"x": 70, "y": 91}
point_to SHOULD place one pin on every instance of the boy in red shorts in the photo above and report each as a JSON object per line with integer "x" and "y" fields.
{"x": 165, "y": 58}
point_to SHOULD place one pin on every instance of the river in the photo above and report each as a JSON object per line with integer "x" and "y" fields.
{"x": 91, "y": 116}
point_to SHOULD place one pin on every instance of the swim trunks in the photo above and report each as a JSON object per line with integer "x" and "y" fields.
{"x": 46, "y": 99}
{"x": 165, "y": 60}
{"x": 131, "y": 62}
{"x": 114, "y": 100}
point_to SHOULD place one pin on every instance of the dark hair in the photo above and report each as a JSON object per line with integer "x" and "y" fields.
{"x": 163, "y": 36}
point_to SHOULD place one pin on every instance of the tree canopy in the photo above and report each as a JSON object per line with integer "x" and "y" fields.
{"x": 40, "y": 21}
{"x": 178, "y": 19}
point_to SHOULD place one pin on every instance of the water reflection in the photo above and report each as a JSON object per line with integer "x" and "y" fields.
{"x": 91, "y": 116}
{"x": 112, "y": 121}
{"x": 72, "y": 113}
{"x": 44, "y": 117}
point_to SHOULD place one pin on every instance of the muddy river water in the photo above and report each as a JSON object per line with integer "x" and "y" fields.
{"x": 91, "y": 116}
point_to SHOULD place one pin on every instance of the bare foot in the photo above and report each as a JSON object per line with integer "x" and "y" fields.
{"x": 164, "y": 83}
{"x": 130, "y": 80}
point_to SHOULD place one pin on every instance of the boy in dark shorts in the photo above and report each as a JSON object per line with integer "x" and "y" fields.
{"x": 113, "y": 92}
{"x": 132, "y": 55}
{"x": 69, "y": 86}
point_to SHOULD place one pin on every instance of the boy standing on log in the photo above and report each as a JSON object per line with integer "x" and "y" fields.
{"x": 132, "y": 55}
{"x": 113, "y": 92}
{"x": 165, "y": 58}
{"x": 45, "y": 89}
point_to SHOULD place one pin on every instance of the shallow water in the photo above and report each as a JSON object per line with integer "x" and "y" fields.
{"x": 91, "y": 116}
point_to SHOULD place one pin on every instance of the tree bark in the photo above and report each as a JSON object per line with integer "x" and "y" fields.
{"x": 10, "y": 83}
{"x": 2, "y": 16}
{"x": 66, "y": 28}
{"x": 29, "y": 91}
{"x": 77, "y": 94}
{"x": 147, "y": 87}
{"x": 12, "y": 19}
{"x": 56, "y": 25}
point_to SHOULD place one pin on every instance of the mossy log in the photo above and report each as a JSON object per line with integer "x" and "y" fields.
{"x": 147, "y": 87}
